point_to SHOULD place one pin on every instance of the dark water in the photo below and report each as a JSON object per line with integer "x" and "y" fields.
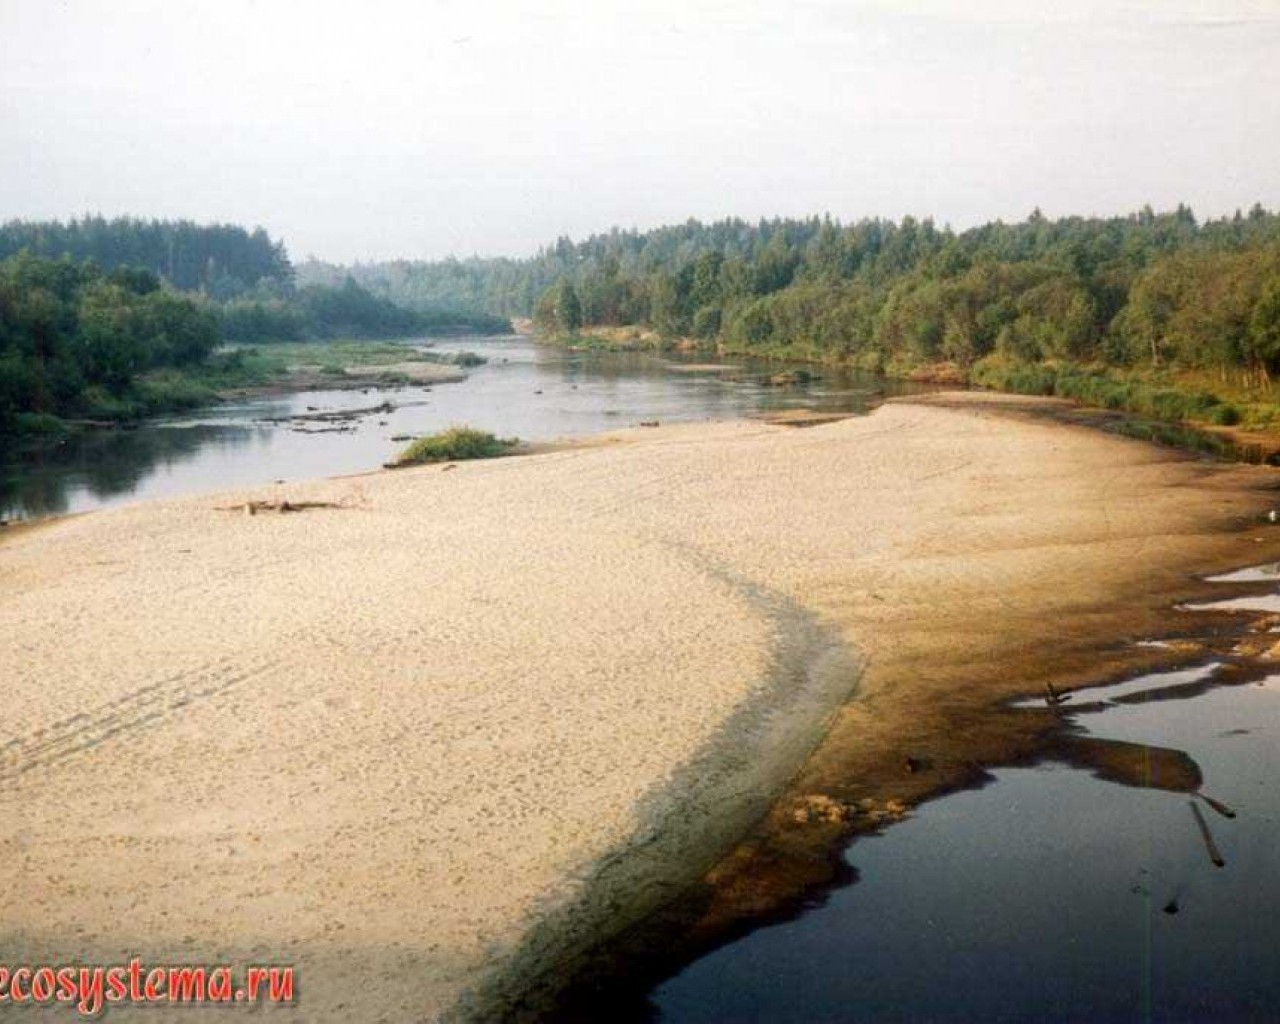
{"x": 533, "y": 392}
{"x": 1045, "y": 896}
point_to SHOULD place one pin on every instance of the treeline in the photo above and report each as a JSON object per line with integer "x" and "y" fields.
{"x": 498, "y": 287}
{"x": 75, "y": 338}
{"x": 1148, "y": 289}
{"x": 341, "y": 311}
{"x": 220, "y": 260}
{"x": 244, "y": 278}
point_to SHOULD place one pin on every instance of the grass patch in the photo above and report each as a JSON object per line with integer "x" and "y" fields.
{"x": 455, "y": 445}
{"x": 171, "y": 393}
{"x": 238, "y": 368}
{"x": 1155, "y": 398}
{"x": 347, "y": 353}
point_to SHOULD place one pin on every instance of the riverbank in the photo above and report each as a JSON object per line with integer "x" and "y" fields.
{"x": 1230, "y": 413}
{"x": 246, "y": 372}
{"x": 434, "y": 737}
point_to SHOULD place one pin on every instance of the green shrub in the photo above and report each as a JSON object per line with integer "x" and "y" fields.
{"x": 1105, "y": 391}
{"x": 168, "y": 393}
{"x": 1224, "y": 415}
{"x": 38, "y": 423}
{"x": 455, "y": 444}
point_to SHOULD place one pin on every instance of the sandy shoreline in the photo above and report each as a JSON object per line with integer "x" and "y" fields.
{"x": 430, "y": 744}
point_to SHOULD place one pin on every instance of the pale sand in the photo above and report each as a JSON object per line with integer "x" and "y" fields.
{"x": 385, "y": 741}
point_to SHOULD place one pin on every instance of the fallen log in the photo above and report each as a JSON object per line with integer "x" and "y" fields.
{"x": 252, "y": 508}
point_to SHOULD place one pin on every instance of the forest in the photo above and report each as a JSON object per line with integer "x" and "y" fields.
{"x": 243, "y": 278}
{"x": 1154, "y": 311}
{"x": 117, "y": 319}
{"x": 219, "y": 260}
{"x": 1158, "y": 312}
{"x": 76, "y": 340}
{"x": 1159, "y": 288}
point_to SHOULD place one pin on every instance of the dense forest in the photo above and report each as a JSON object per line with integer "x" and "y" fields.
{"x": 244, "y": 278}
{"x": 1042, "y": 305}
{"x": 501, "y": 287}
{"x": 1153, "y": 288}
{"x": 344, "y": 310}
{"x": 115, "y": 319}
{"x": 74, "y": 339}
{"x": 220, "y": 260}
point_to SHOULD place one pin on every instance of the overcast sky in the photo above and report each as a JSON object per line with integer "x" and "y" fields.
{"x": 368, "y": 129}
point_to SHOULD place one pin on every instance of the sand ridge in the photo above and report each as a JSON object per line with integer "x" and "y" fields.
{"x": 428, "y": 743}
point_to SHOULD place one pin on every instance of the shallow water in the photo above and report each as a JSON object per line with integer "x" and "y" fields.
{"x": 1045, "y": 895}
{"x": 1253, "y": 574}
{"x": 530, "y": 391}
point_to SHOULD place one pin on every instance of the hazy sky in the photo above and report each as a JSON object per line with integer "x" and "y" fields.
{"x": 370, "y": 129}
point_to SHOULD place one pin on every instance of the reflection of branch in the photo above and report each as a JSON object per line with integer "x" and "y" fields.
{"x": 1217, "y": 805}
{"x": 1210, "y": 845}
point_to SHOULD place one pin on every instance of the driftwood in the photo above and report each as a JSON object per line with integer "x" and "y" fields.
{"x": 324, "y": 430}
{"x": 335, "y": 415}
{"x": 1053, "y": 698}
{"x": 252, "y": 508}
{"x": 1214, "y": 854}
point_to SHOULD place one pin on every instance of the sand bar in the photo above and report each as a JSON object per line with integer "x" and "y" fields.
{"x": 428, "y": 744}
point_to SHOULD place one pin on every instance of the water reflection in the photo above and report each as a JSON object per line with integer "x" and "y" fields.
{"x": 102, "y": 465}
{"x": 1051, "y": 894}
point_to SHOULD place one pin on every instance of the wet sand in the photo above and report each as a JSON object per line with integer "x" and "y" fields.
{"x": 432, "y": 744}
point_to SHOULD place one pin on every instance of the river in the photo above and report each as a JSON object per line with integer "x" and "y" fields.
{"x": 525, "y": 390}
{"x": 1048, "y": 894}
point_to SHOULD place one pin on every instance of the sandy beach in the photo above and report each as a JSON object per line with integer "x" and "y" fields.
{"x": 429, "y": 744}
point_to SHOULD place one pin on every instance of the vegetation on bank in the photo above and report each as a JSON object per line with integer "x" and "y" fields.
{"x": 118, "y": 320}
{"x": 1154, "y": 313}
{"x": 80, "y": 344}
{"x": 76, "y": 341}
{"x": 1127, "y": 312}
{"x": 455, "y": 445}
{"x": 217, "y": 260}
{"x": 243, "y": 278}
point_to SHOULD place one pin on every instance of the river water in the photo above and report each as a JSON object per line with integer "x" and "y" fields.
{"x": 1049, "y": 894}
{"x": 534, "y": 392}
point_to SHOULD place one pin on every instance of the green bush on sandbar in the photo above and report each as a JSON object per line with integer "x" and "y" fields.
{"x": 454, "y": 445}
